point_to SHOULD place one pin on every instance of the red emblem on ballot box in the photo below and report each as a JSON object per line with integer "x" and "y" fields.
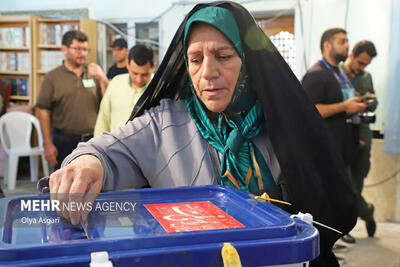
{"x": 191, "y": 216}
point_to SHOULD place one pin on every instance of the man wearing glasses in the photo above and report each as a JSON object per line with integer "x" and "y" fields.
{"x": 69, "y": 99}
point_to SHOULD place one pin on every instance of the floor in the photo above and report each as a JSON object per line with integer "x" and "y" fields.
{"x": 382, "y": 250}
{"x": 24, "y": 187}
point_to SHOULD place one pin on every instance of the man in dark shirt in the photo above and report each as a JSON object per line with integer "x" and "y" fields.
{"x": 331, "y": 93}
{"x": 120, "y": 53}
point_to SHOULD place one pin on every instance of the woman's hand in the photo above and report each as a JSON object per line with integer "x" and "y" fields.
{"x": 76, "y": 186}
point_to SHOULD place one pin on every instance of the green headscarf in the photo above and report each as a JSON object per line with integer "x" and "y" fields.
{"x": 242, "y": 164}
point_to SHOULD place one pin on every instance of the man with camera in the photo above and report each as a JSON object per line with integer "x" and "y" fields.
{"x": 333, "y": 94}
{"x": 362, "y": 54}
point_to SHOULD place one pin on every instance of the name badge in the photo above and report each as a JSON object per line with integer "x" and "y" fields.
{"x": 88, "y": 83}
{"x": 348, "y": 93}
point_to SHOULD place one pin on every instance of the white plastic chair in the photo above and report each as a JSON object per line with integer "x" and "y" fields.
{"x": 15, "y": 136}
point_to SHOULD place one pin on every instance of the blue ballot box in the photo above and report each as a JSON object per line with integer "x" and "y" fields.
{"x": 185, "y": 226}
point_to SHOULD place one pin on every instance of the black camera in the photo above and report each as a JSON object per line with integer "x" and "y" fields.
{"x": 362, "y": 117}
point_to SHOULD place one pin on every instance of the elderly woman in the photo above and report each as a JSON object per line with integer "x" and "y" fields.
{"x": 223, "y": 108}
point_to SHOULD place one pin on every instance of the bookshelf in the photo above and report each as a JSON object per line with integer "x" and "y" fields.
{"x": 30, "y": 46}
{"x": 16, "y": 56}
{"x": 25, "y": 41}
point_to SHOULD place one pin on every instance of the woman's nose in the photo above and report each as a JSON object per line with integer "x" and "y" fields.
{"x": 209, "y": 68}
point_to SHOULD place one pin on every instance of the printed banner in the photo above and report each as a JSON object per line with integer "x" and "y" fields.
{"x": 191, "y": 216}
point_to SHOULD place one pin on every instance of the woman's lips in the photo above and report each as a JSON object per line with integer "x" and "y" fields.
{"x": 212, "y": 92}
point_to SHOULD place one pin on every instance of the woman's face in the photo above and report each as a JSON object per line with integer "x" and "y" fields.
{"x": 214, "y": 66}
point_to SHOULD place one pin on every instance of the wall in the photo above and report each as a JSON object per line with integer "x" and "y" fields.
{"x": 168, "y": 24}
{"x": 384, "y": 192}
{"x": 98, "y": 9}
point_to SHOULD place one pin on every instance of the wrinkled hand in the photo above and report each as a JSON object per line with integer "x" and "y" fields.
{"x": 51, "y": 153}
{"x": 76, "y": 185}
{"x": 354, "y": 105}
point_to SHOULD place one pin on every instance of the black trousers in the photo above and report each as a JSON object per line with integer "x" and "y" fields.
{"x": 359, "y": 169}
{"x": 66, "y": 143}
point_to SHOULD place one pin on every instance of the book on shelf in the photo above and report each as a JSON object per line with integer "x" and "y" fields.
{"x": 51, "y": 34}
{"x": 23, "y": 63}
{"x": 50, "y": 59}
{"x": 17, "y": 37}
{"x": 14, "y": 61}
{"x": 14, "y": 37}
{"x": 19, "y": 86}
{"x": 27, "y": 36}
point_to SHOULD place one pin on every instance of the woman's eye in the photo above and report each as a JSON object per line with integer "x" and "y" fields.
{"x": 195, "y": 61}
{"x": 224, "y": 57}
